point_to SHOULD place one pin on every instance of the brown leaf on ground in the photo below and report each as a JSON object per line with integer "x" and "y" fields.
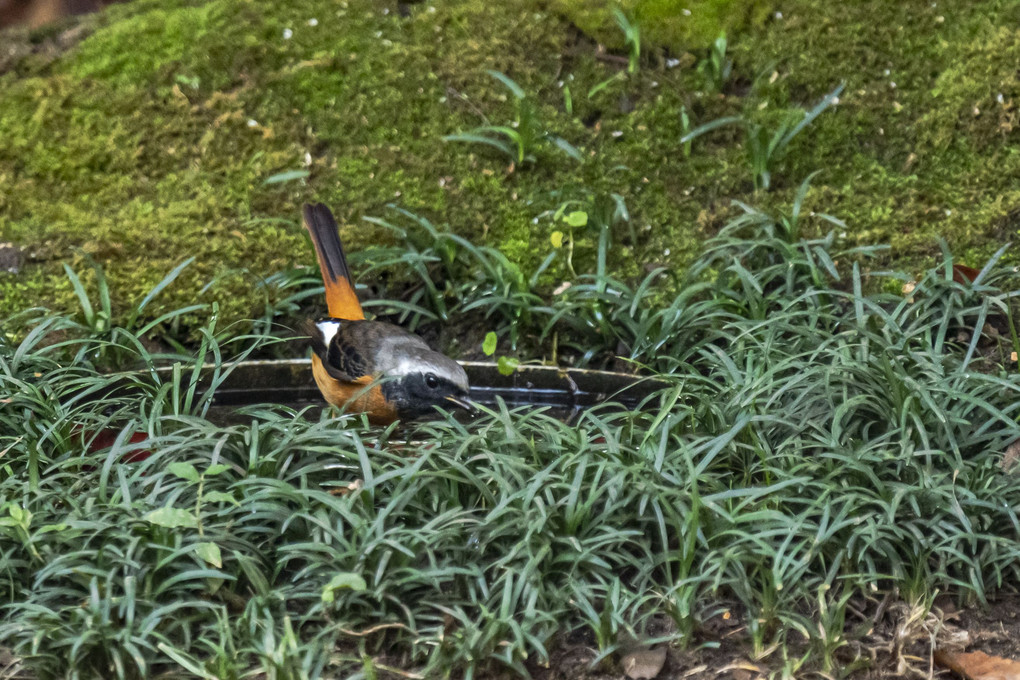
{"x": 741, "y": 670}
{"x": 644, "y": 664}
{"x": 1011, "y": 456}
{"x": 978, "y": 665}
{"x": 964, "y": 274}
{"x": 353, "y": 486}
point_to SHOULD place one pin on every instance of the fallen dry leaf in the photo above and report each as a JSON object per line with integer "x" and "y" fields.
{"x": 978, "y": 665}
{"x": 644, "y": 664}
{"x": 964, "y": 274}
{"x": 741, "y": 670}
{"x": 353, "y": 486}
{"x": 1010, "y": 457}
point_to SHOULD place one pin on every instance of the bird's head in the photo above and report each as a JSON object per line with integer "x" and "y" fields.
{"x": 424, "y": 380}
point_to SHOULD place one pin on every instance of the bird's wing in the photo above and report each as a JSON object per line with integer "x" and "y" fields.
{"x": 371, "y": 348}
{"x": 322, "y": 334}
{"x": 341, "y": 299}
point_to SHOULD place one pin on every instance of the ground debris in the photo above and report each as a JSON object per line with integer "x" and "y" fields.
{"x": 644, "y": 664}
{"x": 978, "y": 665}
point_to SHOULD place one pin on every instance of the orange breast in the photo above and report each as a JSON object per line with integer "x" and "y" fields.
{"x": 359, "y": 396}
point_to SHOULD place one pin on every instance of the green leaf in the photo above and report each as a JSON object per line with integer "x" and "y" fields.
{"x": 171, "y": 518}
{"x": 507, "y": 365}
{"x": 210, "y": 552}
{"x": 709, "y": 126}
{"x": 19, "y": 514}
{"x": 288, "y": 176}
{"x": 556, "y": 238}
{"x": 158, "y": 288}
{"x": 489, "y": 346}
{"x": 191, "y": 81}
{"x": 578, "y": 218}
{"x": 606, "y": 83}
{"x": 509, "y": 83}
{"x": 186, "y": 662}
{"x": 219, "y": 497}
{"x": 184, "y": 471}
{"x": 216, "y": 469}
{"x": 567, "y": 148}
{"x": 345, "y": 579}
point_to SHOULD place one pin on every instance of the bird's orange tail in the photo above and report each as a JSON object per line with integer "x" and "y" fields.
{"x": 341, "y": 300}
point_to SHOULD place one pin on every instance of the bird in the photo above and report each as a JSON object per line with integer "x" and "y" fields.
{"x": 372, "y": 367}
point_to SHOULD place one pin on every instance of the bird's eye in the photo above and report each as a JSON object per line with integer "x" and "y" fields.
{"x": 431, "y": 381}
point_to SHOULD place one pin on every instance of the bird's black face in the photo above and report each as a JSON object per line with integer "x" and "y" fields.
{"x": 417, "y": 394}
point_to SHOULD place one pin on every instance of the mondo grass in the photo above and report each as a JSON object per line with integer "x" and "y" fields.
{"x": 813, "y": 444}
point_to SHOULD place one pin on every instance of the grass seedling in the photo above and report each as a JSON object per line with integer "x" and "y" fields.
{"x": 631, "y": 38}
{"x": 766, "y": 148}
{"x": 456, "y": 276}
{"x": 716, "y": 67}
{"x": 685, "y": 127}
{"x": 521, "y": 140}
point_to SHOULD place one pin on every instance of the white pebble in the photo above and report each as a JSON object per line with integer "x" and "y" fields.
{"x": 308, "y": 159}
{"x": 313, "y": 22}
{"x": 892, "y": 85}
{"x": 672, "y": 63}
{"x": 686, "y": 12}
{"x": 666, "y": 252}
{"x": 287, "y": 34}
{"x": 778, "y": 15}
{"x": 999, "y": 98}
{"x": 617, "y": 133}
{"x": 252, "y": 122}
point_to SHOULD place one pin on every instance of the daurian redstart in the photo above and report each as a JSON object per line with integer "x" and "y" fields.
{"x": 372, "y": 367}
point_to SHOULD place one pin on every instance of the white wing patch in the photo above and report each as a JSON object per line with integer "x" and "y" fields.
{"x": 328, "y": 328}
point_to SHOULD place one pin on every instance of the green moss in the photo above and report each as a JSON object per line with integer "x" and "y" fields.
{"x": 677, "y": 24}
{"x": 976, "y": 97}
{"x": 151, "y": 140}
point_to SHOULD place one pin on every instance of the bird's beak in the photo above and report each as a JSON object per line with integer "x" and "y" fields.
{"x": 463, "y": 402}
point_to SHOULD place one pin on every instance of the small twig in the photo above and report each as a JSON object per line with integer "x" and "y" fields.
{"x": 453, "y": 92}
{"x": 374, "y": 629}
{"x": 882, "y": 606}
{"x": 397, "y": 671}
{"x": 13, "y": 444}
{"x": 602, "y": 55}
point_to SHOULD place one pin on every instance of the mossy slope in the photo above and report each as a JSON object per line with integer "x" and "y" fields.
{"x": 153, "y": 138}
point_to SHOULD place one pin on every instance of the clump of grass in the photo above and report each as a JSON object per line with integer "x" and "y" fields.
{"x": 631, "y": 38}
{"x": 766, "y": 147}
{"x": 520, "y": 140}
{"x": 812, "y": 443}
{"x": 717, "y": 66}
{"x": 454, "y": 276}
